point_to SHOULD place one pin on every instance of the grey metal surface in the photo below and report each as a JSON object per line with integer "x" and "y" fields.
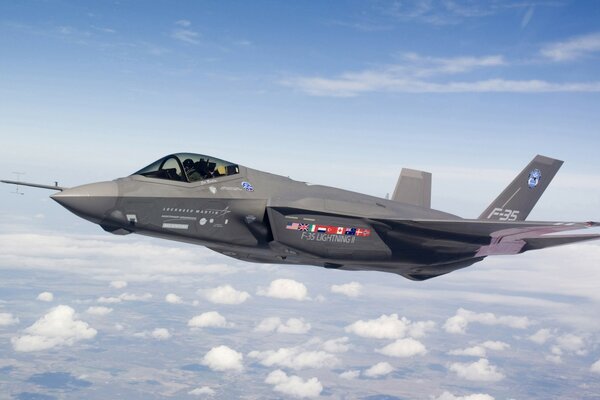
{"x": 260, "y": 217}
{"x": 518, "y": 199}
{"x": 413, "y": 187}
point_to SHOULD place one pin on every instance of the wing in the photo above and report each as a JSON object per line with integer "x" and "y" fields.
{"x": 415, "y": 248}
{"x": 489, "y": 237}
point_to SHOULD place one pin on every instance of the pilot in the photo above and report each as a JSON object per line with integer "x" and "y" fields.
{"x": 202, "y": 168}
{"x": 211, "y": 169}
{"x": 192, "y": 174}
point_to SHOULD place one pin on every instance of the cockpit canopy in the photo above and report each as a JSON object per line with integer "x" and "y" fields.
{"x": 188, "y": 167}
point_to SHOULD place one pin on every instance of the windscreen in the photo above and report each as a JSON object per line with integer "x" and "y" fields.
{"x": 188, "y": 167}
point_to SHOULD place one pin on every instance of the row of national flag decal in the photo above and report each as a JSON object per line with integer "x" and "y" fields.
{"x": 328, "y": 229}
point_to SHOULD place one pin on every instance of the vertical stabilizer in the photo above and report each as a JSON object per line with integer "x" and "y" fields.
{"x": 518, "y": 199}
{"x": 413, "y": 187}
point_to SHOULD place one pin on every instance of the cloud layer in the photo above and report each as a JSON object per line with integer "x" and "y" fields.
{"x": 294, "y": 385}
{"x": 59, "y": 327}
{"x": 294, "y": 358}
{"x": 275, "y": 324}
{"x": 352, "y": 289}
{"x": 390, "y": 327}
{"x": 403, "y": 348}
{"x": 462, "y": 319}
{"x": 7, "y": 319}
{"x": 210, "y": 319}
{"x": 223, "y": 358}
{"x": 226, "y": 294}
{"x": 285, "y": 289}
{"x": 478, "y": 371}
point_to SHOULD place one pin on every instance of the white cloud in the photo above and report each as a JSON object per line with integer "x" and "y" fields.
{"x": 595, "y": 367}
{"x": 480, "y": 371}
{"x": 571, "y": 343}
{"x": 294, "y": 357}
{"x": 118, "y": 284}
{"x": 476, "y": 396}
{"x": 447, "y": 12}
{"x": 269, "y": 324}
{"x": 108, "y": 300}
{"x": 414, "y": 75}
{"x": 320, "y": 298}
{"x": 135, "y": 297}
{"x": 422, "y": 66}
{"x": 223, "y": 358}
{"x": 384, "y": 327}
{"x": 183, "y": 22}
{"x": 553, "y": 358}
{"x": 184, "y": 33}
{"x": 173, "y": 298}
{"x": 403, "y": 348}
{"x": 350, "y": 374}
{"x": 130, "y": 260}
{"x": 125, "y": 297}
{"x": 7, "y": 319}
{"x": 573, "y": 48}
{"x": 495, "y": 345}
{"x": 338, "y": 345}
{"x": 226, "y": 294}
{"x": 161, "y": 334}
{"x": 292, "y": 325}
{"x": 210, "y": 319}
{"x": 474, "y": 351}
{"x": 480, "y": 350}
{"x": 420, "y": 328}
{"x": 99, "y": 310}
{"x": 204, "y": 390}
{"x": 527, "y": 16}
{"x": 285, "y": 289}
{"x": 59, "y": 327}
{"x": 352, "y": 289}
{"x": 45, "y": 296}
{"x": 294, "y": 385}
{"x": 379, "y": 369}
{"x": 541, "y": 336}
{"x": 460, "y": 322}
{"x": 389, "y": 327}
{"x": 556, "y": 350}
{"x": 158, "y": 334}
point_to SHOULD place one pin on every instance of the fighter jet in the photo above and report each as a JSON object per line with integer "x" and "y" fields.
{"x": 260, "y": 217}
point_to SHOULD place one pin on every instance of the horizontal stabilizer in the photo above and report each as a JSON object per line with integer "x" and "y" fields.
{"x": 518, "y": 199}
{"x": 551, "y": 241}
{"x": 413, "y": 187}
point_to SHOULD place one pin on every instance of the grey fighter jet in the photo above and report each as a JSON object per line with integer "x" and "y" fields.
{"x": 260, "y": 217}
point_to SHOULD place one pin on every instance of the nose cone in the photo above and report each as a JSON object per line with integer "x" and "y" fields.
{"x": 91, "y": 202}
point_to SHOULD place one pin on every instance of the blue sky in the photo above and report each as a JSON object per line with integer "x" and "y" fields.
{"x": 338, "y": 93}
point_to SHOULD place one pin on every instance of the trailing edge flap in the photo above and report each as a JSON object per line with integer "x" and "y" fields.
{"x": 413, "y": 187}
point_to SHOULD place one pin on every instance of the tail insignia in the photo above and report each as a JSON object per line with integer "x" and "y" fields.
{"x": 534, "y": 178}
